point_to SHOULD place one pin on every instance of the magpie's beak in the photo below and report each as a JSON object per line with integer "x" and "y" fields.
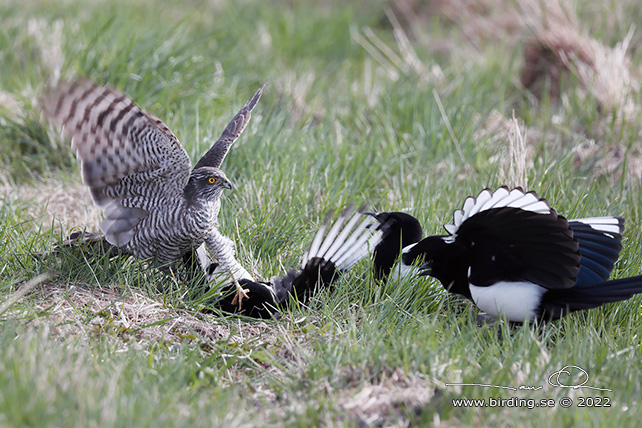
{"x": 383, "y": 225}
{"x": 426, "y": 268}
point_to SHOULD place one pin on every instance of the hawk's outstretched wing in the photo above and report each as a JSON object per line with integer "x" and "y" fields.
{"x": 215, "y": 155}
{"x": 124, "y": 151}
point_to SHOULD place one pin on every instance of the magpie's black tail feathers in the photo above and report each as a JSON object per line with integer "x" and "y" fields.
{"x": 334, "y": 250}
{"x": 558, "y": 302}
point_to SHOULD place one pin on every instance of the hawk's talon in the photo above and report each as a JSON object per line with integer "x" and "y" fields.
{"x": 241, "y": 294}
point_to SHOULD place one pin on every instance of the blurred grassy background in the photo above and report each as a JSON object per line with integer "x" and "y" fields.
{"x": 402, "y": 104}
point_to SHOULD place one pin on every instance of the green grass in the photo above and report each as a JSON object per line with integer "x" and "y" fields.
{"x": 119, "y": 344}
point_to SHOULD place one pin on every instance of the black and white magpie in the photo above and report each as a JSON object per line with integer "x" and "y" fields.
{"x": 511, "y": 254}
{"x": 334, "y": 250}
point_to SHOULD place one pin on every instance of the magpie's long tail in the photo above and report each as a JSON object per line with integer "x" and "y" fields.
{"x": 334, "y": 250}
{"x": 559, "y": 302}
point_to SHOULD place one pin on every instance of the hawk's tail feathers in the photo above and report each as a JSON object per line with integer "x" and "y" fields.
{"x": 94, "y": 243}
{"x": 120, "y": 221}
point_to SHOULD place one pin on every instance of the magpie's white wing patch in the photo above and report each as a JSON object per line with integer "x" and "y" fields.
{"x": 607, "y": 225}
{"x": 502, "y": 197}
{"x": 484, "y": 197}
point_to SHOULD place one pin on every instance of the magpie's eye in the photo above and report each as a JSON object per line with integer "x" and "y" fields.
{"x": 213, "y": 180}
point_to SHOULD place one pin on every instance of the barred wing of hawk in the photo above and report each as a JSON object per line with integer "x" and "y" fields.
{"x": 156, "y": 207}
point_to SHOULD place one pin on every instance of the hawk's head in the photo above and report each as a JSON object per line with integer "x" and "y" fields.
{"x": 206, "y": 184}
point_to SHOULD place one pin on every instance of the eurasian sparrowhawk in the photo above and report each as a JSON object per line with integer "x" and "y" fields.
{"x": 156, "y": 206}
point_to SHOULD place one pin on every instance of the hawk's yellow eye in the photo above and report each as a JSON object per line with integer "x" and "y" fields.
{"x": 212, "y": 180}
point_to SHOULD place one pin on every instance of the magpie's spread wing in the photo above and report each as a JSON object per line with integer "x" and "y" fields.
{"x": 334, "y": 249}
{"x": 502, "y": 197}
{"x": 515, "y": 236}
{"x": 600, "y": 243}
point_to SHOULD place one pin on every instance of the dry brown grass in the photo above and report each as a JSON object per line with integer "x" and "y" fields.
{"x": 610, "y": 161}
{"x": 393, "y": 62}
{"x": 560, "y": 44}
{"x": 84, "y": 311}
{"x": 80, "y": 311}
{"x": 63, "y": 204}
{"x": 514, "y": 144}
{"x": 10, "y": 105}
{"x": 389, "y": 401}
{"x": 479, "y": 21}
{"x": 555, "y": 44}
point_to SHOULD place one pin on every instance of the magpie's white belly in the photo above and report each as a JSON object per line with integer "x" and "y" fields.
{"x": 516, "y": 300}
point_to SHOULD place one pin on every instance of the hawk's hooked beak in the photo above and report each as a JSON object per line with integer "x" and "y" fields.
{"x": 228, "y": 185}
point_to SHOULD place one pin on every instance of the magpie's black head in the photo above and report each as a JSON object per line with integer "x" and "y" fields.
{"x": 400, "y": 230}
{"x": 444, "y": 260}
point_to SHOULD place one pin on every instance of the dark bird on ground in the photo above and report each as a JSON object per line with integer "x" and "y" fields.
{"x": 513, "y": 256}
{"x": 155, "y": 205}
{"x": 333, "y": 251}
